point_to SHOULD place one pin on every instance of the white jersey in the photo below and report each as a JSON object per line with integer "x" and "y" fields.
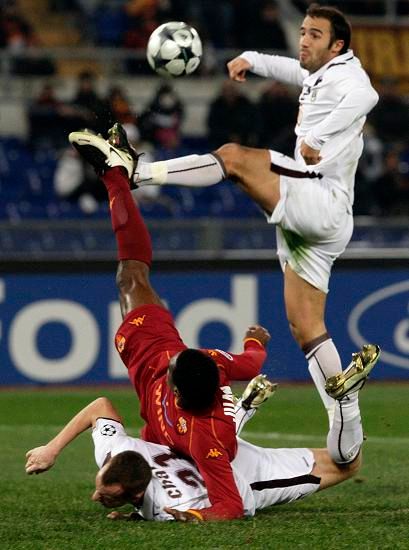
{"x": 176, "y": 482}
{"x": 334, "y": 102}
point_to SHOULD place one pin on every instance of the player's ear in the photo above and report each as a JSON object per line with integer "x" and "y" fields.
{"x": 337, "y": 46}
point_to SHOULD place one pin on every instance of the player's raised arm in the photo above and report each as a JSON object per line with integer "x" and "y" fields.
{"x": 246, "y": 365}
{"x": 41, "y": 459}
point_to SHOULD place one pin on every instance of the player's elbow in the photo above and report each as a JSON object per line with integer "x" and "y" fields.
{"x": 374, "y": 98}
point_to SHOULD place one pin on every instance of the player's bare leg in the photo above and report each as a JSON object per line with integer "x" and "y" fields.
{"x": 331, "y": 473}
{"x": 115, "y": 166}
{"x": 251, "y": 169}
{"x": 305, "y": 308}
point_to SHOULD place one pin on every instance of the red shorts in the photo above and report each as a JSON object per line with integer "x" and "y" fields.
{"x": 145, "y": 341}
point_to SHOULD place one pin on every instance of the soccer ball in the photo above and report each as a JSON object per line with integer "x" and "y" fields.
{"x": 174, "y": 49}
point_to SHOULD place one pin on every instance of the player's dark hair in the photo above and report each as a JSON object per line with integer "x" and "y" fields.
{"x": 130, "y": 469}
{"x": 196, "y": 377}
{"x": 340, "y": 26}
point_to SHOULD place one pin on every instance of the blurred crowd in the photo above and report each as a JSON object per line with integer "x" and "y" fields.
{"x": 266, "y": 121}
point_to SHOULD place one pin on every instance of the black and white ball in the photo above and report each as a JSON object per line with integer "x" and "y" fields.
{"x": 174, "y": 49}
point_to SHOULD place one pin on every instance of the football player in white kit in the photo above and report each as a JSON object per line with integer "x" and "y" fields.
{"x": 309, "y": 198}
{"x": 162, "y": 486}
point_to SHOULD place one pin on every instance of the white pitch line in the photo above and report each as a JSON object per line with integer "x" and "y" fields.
{"x": 267, "y": 436}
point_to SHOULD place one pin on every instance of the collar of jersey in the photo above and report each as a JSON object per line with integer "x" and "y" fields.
{"x": 313, "y": 77}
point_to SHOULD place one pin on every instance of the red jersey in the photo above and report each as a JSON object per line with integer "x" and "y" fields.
{"x": 146, "y": 341}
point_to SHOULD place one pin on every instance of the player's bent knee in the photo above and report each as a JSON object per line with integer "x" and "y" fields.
{"x": 132, "y": 276}
{"x": 231, "y": 155}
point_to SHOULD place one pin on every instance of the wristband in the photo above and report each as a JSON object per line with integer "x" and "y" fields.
{"x": 250, "y": 339}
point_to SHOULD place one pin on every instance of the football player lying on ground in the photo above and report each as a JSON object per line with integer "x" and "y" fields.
{"x": 185, "y": 396}
{"x": 162, "y": 486}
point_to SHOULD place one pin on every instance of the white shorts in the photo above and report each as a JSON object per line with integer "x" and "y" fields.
{"x": 276, "y": 476}
{"x": 313, "y": 218}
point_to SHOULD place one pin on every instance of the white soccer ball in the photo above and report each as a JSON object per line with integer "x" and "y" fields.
{"x": 174, "y": 49}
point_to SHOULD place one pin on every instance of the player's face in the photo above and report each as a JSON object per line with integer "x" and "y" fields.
{"x": 315, "y": 44}
{"x": 110, "y": 496}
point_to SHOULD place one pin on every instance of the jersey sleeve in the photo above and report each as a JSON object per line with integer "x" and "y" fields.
{"x": 241, "y": 366}
{"x": 358, "y": 99}
{"x": 213, "y": 463}
{"x": 106, "y": 435}
{"x": 284, "y": 69}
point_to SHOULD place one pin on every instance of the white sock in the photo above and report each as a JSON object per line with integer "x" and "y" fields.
{"x": 191, "y": 171}
{"x": 346, "y": 436}
{"x": 323, "y": 362}
{"x": 242, "y": 416}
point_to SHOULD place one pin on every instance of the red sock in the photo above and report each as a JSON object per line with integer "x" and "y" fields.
{"x": 132, "y": 236}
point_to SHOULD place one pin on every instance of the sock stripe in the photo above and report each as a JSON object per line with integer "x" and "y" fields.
{"x": 192, "y": 168}
{"x": 340, "y": 432}
{"x": 319, "y": 366}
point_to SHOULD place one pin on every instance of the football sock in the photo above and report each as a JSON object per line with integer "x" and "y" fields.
{"x": 323, "y": 362}
{"x": 132, "y": 236}
{"x": 346, "y": 436}
{"x": 242, "y": 416}
{"x": 192, "y": 171}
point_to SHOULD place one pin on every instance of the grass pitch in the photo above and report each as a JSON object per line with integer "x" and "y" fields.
{"x": 54, "y": 511}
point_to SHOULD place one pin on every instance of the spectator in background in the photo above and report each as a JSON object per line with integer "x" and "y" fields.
{"x": 120, "y": 108}
{"x": 220, "y": 33}
{"x": 231, "y": 117}
{"x": 75, "y": 181}
{"x": 89, "y": 109}
{"x": 370, "y": 169}
{"x": 391, "y": 189}
{"x": 18, "y": 38}
{"x": 277, "y": 109}
{"x": 46, "y": 120}
{"x": 264, "y": 30}
{"x": 161, "y": 122}
{"x": 390, "y": 118}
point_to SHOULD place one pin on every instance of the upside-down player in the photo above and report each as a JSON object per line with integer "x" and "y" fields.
{"x": 184, "y": 394}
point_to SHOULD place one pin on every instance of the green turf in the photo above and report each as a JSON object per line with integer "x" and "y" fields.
{"x": 53, "y": 511}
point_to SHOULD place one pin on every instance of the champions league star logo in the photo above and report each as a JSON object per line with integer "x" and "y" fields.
{"x": 108, "y": 429}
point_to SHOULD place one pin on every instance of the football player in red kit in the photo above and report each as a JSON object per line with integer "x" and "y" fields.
{"x": 185, "y": 396}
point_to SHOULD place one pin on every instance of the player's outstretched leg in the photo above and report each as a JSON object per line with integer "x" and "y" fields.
{"x": 258, "y": 390}
{"x": 346, "y": 436}
{"x": 115, "y": 166}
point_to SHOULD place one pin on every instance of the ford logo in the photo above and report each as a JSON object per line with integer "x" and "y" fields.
{"x": 383, "y": 318}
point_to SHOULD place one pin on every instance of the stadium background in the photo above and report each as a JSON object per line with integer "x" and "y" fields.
{"x": 215, "y": 260}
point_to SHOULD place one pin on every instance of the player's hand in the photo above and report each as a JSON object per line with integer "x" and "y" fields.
{"x": 310, "y": 155}
{"x": 39, "y": 460}
{"x": 130, "y": 516}
{"x": 182, "y": 516}
{"x": 237, "y": 68}
{"x": 259, "y": 333}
